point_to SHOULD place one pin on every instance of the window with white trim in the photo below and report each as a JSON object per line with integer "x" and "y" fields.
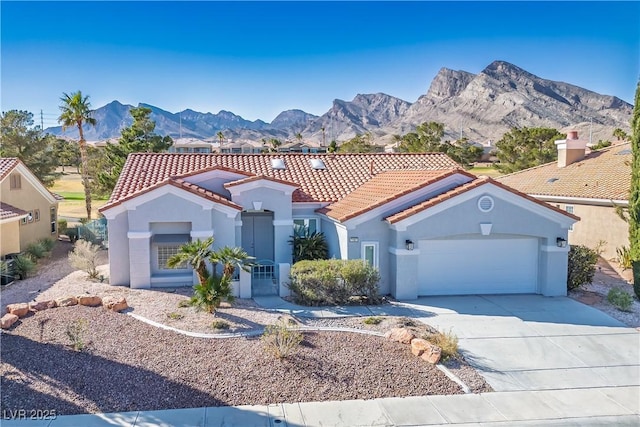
{"x": 370, "y": 253}
{"x": 164, "y": 253}
{"x": 569, "y": 209}
{"x": 54, "y": 220}
{"x": 310, "y": 223}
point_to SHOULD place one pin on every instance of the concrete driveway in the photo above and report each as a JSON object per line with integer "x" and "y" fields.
{"x": 531, "y": 342}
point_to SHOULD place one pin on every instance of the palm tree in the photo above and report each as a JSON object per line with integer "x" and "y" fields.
{"x": 299, "y": 136}
{"x": 620, "y": 134}
{"x": 231, "y": 259}
{"x": 76, "y": 110}
{"x": 323, "y": 136}
{"x": 196, "y": 255}
{"x": 220, "y": 136}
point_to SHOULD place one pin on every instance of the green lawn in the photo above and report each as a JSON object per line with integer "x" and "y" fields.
{"x": 70, "y": 187}
{"x": 485, "y": 170}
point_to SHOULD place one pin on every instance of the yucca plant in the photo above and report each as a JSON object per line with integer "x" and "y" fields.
{"x": 24, "y": 266}
{"x": 308, "y": 245}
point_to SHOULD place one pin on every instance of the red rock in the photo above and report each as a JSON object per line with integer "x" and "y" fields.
{"x": 89, "y": 300}
{"x": 432, "y": 355}
{"x": 419, "y": 346}
{"x": 66, "y": 301}
{"x": 42, "y": 305}
{"x": 114, "y": 303}
{"x": 20, "y": 309}
{"x": 400, "y": 335}
{"x": 8, "y": 320}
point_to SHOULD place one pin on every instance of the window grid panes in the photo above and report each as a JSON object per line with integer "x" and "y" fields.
{"x": 164, "y": 253}
{"x": 310, "y": 223}
{"x": 569, "y": 209}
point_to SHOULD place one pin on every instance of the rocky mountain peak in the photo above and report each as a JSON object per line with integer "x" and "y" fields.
{"x": 448, "y": 83}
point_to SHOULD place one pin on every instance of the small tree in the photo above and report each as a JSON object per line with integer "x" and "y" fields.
{"x": 85, "y": 257}
{"x": 522, "y": 148}
{"x": 195, "y": 254}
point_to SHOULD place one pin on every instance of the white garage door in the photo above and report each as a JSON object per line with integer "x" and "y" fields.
{"x": 478, "y": 266}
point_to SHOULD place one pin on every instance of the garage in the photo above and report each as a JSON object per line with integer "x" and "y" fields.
{"x": 478, "y": 266}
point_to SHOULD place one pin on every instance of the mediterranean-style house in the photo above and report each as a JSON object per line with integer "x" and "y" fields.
{"x": 593, "y": 186}
{"x": 28, "y": 211}
{"x": 429, "y": 227}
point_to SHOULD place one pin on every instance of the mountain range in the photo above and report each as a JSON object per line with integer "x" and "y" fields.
{"x": 480, "y": 107}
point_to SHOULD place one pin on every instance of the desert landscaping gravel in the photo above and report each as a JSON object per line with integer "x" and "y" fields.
{"x": 128, "y": 365}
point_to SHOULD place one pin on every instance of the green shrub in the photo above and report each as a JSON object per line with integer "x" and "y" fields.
{"x": 73, "y": 234}
{"x": 85, "y": 257}
{"x": 24, "y": 266}
{"x": 47, "y": 243}
{"x": 220, "y": 324}
{"x": 76, "y": 331}
{"x": 333, "y": 282}
{"x": 209, "y": 295}
{"x": 373, "y": 320}
{"x": 308, "y": 246}
{"x": 62, "y": 226}
{"x": 184, "y": 303}
{"x": 175, "y": 316}
{"x": 620, "y": 299}
{"x": 582, "y": 266}
{"x": 36, "y": 250}
{"x": 624, "y": 257}
{"x": 281, "y": 340}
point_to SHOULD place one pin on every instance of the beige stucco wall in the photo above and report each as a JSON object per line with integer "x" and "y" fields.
{"x": 598, "y": 223}
{"x": 9, "y": 237}
{"x": 28, "y": 198}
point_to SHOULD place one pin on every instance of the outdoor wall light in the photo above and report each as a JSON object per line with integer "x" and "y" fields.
{"x": 562, "y": 243}
{"x": 409, "y": 244}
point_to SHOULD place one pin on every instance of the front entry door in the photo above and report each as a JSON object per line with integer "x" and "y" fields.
{"x": 257, "y": 241}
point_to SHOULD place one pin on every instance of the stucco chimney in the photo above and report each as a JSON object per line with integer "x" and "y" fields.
{"x": 570, "y": 150}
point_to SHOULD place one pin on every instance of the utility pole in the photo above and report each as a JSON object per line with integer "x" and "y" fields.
{"x": 180, "y": 114}
{"x": 41, "y": 121}
{"x": 590, "y": 130}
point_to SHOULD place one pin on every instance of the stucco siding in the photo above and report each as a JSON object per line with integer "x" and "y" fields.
{"x": 598, "y": 224}
{"x": 118, "y": 249}
{"x": 29, "y": 199}
{"x": 9, "y": 237}
{"x": 330, "y": 230}
{"x": 374, "y": 231}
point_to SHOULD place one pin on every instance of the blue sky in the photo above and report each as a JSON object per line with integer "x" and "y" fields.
{"x": 257, "y": 59}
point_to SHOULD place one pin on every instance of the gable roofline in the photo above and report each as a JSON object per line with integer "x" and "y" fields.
{"x": 480, "y": 181}
{"x": 10, "y": 213}
{"x": 328, "y": 211}
{"x": 18, "y": 165}
{"x": 180, "y": 184}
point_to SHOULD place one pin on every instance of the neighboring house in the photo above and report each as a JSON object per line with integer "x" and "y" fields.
{"x": 429, "y": 227}
{"x": 191, "y": 145}
{"x": 301, "y": 147}
{"x": 592, "y": 186}
{"x": 28, "y": 211}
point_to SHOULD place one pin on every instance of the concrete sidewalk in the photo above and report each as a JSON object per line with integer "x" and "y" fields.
{"x": 590, "y": 407}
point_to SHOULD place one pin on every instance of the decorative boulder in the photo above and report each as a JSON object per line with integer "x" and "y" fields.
{"x": 8, "y": 320}
{"x": 66, "y": 301}
{"x": 41, "y": 305}
{"x": 115, "y": 303}
{"x": 89, "y": 300}
{"x": 20, "y": 309}
{"x": 432, "y": 355}
{"x": 419, "y": 346}
{"x": 400, "y": 335}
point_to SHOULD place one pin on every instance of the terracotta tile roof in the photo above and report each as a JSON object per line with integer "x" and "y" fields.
{"x": 342, "y": 175}
{"x": 603, "y": 174}
{"x": 6, "y": 165}
{"x": 178, "y": 183}
{"x": 463, "y": 189}
{"x": 7, "y": 211}
{"x": 258, "y": 178}
{"x": 383, "y": 188}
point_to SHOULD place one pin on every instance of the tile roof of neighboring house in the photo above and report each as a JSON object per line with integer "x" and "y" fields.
{"x": 383, "y": 188}
{"x": 6, "y": 165}
{"x": 463, "y": 189}
{"x": 603, "y": 174}
{"x": 343, "y": 173}
{"x": 7, "y": 211}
